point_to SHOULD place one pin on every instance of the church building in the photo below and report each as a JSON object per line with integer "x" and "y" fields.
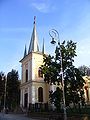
{"x": 33, "y": 88}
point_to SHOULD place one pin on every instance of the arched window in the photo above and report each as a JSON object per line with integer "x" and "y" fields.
{"x": 40, "y": 94}
{"x": 26, "y": 75}
{"x": 40, "y": 72}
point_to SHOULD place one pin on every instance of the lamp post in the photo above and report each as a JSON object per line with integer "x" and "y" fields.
{"x": 55, "y": 36}
{"x": 5, "y": 89}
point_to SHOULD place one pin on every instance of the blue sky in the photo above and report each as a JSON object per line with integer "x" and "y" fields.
{"x": 71, "y": 18}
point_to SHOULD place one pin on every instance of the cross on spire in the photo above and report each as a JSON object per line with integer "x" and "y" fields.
{"x": 34, "y": 19}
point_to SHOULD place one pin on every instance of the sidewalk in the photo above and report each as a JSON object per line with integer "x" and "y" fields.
{"x": 14, "y": 117}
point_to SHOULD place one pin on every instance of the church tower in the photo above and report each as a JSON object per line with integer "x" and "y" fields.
{"x": 33, "y": 88}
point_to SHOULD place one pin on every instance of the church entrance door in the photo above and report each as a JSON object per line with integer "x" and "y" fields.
{"x": 25, "y": 100}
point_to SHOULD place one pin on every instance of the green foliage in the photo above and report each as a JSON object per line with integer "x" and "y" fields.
{"x": 55, "y": 98}
{"x": 13, "y": 89}
{"x": 74, "y": 86}
{"x": 49, "y": 69}
{"x": 2, "y": 86}
{"x": 72, "y": 76}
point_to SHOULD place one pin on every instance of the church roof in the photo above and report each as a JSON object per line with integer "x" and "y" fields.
{"x": 33, "y": 46}
{"x": 25, "y": 51}
{"x": 34, "y": 40}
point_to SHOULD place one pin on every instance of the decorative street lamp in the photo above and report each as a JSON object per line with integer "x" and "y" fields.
{"x": 5, "y": 89}
{"x": 55, "y": 36}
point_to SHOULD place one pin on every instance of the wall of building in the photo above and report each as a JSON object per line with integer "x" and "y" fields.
{"x": 37, "y": 61}
{"x": 87, "y": 88}
{"x": 32, "y": 62}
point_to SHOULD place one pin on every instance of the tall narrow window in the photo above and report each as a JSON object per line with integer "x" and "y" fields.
{"x": 26, "y": 75}
{"x": 40, "y": 74}
{"x": 40, "y": 94}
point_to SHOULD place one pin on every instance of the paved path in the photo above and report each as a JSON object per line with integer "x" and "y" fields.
{"x": 14, "y": 117}
{"x": 24, "y": 117}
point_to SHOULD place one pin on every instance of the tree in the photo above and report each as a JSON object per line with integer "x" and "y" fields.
{"x": 55, "y": 98}
{"x": 72, "y": 76}
{"x": 13, "y": 89}
{"x": 84, "y": 70}
{"x": 2, "y": 86}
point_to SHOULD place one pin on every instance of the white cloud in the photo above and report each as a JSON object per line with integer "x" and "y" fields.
{"x": 43, "y": 6}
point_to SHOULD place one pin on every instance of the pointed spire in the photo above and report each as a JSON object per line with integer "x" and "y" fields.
{"x": 34, "y": 39}
{"x": 25, "y": 51}
{"x": 43, "y": 48}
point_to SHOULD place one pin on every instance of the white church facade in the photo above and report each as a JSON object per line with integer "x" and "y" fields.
{"x": 33, "y": 88}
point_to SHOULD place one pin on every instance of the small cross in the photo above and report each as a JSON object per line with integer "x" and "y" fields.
{"x": 34, "y": 19}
